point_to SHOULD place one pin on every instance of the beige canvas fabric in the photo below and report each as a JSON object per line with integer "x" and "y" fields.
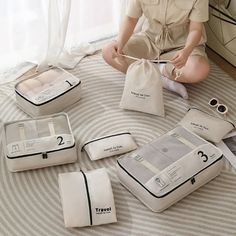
{"x": 166, "y": 26}
{"x": 143, "y": 88}
{"x": 206, "y": 126}
{"x": 110, "y": 145}
{"x": 87, "y": 198}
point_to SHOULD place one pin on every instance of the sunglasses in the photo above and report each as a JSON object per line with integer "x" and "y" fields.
{"x": 221, "y": 108}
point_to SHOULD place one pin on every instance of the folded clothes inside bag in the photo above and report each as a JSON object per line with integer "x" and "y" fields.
{"x": 48, "y": 92}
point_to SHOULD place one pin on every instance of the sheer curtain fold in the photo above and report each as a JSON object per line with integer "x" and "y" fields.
{"x": 58, "y": 19}
{"x": 53, "y": 32}
{"x": 58, "y": 53}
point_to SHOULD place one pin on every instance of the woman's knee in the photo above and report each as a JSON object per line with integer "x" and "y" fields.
{"x": 106, "y": 52}
{"x": 118, "y": 63}
{"x": 202, "y": 69}
{"x": 199, "y": 69}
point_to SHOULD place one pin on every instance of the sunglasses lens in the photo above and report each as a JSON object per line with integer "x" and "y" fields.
{"x": 221, "y": 109}
{"x": 213, "y": 102}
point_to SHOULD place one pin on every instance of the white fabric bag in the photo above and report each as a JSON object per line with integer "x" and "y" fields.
{"x": 205, "y": 125}
{"x": 169, "y": 168}
{"x": 143, "y": 88}
{"x": 109, "y": 145}
{"x": 37, "y": 143}
{"x": 48, "y": 92}
{"x": 87, "y": 198}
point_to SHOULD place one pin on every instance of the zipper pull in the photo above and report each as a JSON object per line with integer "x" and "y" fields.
{"x": 44, "y": 155}
{"x": 193, "y": 180}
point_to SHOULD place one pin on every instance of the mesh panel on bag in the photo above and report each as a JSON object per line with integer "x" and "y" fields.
{"x": 160, "y": 153}
{"x": 36, "y": 129}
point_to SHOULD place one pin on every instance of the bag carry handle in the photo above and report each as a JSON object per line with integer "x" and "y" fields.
{"x": 152, "y": 60}
{"x": 22, "y": 131}
{"x": 51, "y": 128}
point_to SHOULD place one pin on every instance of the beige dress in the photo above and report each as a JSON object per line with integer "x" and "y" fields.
{"x": 166, "y": 27}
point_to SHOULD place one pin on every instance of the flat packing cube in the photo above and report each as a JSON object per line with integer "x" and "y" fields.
{"x": 48, "y": 92}
{"x": 169, "y": 168}
{"x": 37, "y": 143}
{"x": 87, "y": 198}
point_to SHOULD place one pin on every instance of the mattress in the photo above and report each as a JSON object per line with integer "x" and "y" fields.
{"x": 30, "y": 202}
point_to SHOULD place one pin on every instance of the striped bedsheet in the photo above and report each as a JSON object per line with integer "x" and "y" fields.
{"x": 30, "y": 203}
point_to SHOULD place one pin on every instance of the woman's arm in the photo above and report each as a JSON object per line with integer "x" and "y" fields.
{"x": 194, "y": 36}
{"x": 126, "y": 30}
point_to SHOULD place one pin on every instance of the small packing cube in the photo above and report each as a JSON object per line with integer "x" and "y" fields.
{"x": 87, "y": 198}
{"x": 48, "y": 92}
{"x": 207, "y": 126}
{"x": 109, "y": 145}
{"x": 41, "y": 142}
{"x": 164, "y": 171}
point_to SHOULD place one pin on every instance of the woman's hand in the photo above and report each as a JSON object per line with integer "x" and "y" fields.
{"x": 194, "y": 36}
{"x": 126, "y": 30}
{"x": 180, "y": 58}
{"x": 116, "y": 50}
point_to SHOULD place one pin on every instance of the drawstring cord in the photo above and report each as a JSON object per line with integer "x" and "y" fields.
{"x": 136, "y": 59}
{"x": 178, "y": 72}
{"x": 164, "y": 35}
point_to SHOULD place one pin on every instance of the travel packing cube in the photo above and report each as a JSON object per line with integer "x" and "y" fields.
{"x": 109, "y": 145}
{"x": 169, "y": 168}
{"x": 37, "y": 143}
{"x": 48, "y": 92}
{"x": 207, "y": 126}
{"x": 87, "y": 198}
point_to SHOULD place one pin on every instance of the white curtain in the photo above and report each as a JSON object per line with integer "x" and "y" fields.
{"x": 53, "y": 32}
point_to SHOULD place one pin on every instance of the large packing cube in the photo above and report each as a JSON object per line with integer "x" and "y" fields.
{"x": 37, "y": 143}
{"x": 172, "y": 166}
{"x": 48, "y": 92}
